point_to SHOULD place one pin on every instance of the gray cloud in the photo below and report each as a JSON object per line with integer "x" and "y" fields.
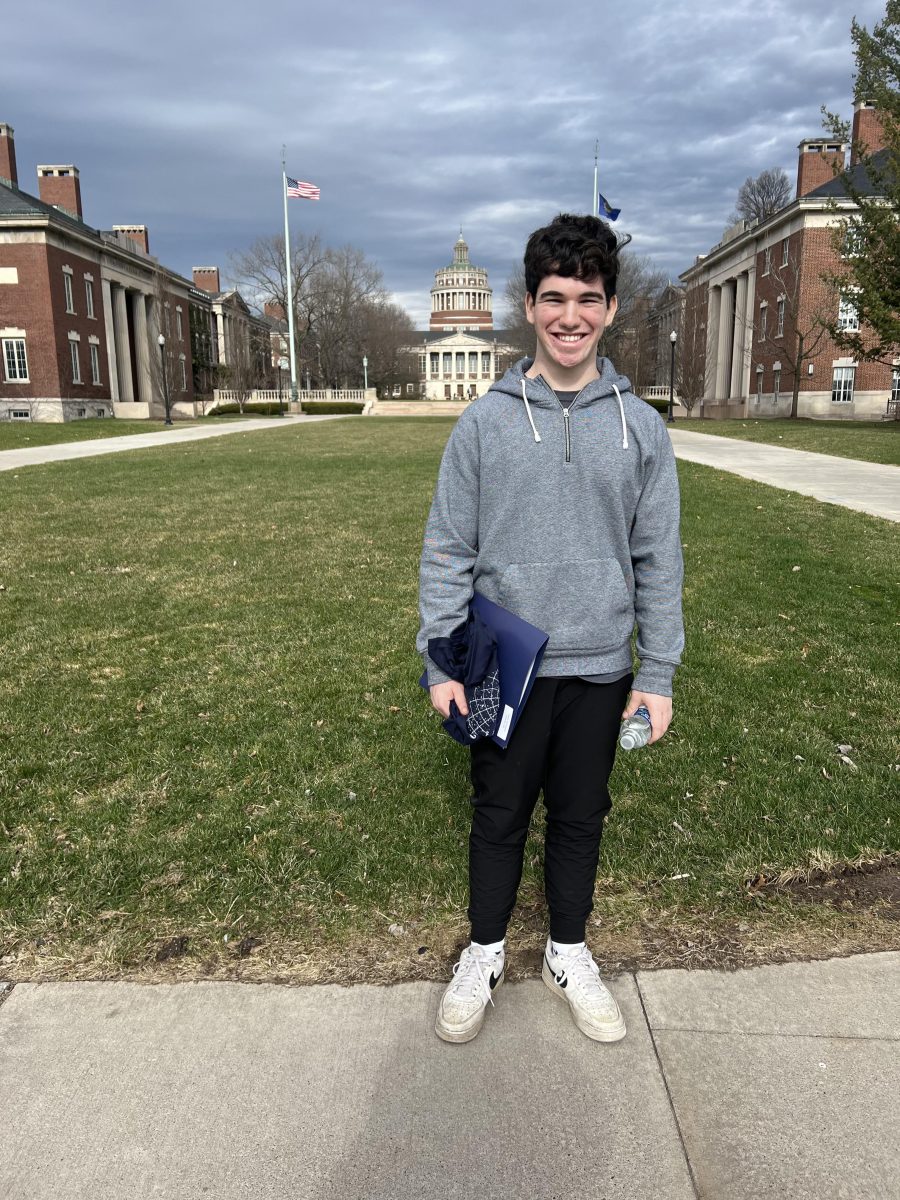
{"x": 415, "y": 118}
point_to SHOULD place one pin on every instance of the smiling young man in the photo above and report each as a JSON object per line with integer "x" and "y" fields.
{"x": 558, "y": 498}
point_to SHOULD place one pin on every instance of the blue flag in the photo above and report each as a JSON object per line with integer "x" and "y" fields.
{"x": 604, "y": 209}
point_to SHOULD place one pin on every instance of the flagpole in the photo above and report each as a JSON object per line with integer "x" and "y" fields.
{"x": 287, "y": 272}
{"x": 596, "y": 203}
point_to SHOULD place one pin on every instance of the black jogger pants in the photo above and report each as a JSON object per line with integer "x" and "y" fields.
{"x": 565, "y": 742}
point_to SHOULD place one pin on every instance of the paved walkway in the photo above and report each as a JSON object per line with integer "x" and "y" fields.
{"x": 756, "y": 1085}
{"x": 869, "y": 487}
{"x": 11, "y": 460}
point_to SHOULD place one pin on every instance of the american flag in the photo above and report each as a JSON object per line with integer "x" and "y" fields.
{"x": 300, "y": 190}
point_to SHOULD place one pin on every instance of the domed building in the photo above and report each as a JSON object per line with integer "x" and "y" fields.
{"x": 461, "y": 354}
{"x": 461, "y": 296}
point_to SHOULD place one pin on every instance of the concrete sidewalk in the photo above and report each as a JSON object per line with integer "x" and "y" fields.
{"x": 773, "y": 1082}
{"x": 11, "y": 460}
{"x": 868, "y": 487}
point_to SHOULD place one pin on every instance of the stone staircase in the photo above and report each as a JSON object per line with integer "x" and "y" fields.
{"x": 417, "y": 408}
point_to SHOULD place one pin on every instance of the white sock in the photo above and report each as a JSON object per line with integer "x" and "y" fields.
{"x": 566, "y": 948}
{"x": 492, "y": 948}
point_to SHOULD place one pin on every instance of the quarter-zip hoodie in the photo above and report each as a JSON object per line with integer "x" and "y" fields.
{"x": 567, "y": 517}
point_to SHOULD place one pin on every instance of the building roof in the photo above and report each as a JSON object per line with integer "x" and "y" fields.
{"x": 483, "y": 335}
{"x": 16, "y": 203}
{"x": 859, "y": 177}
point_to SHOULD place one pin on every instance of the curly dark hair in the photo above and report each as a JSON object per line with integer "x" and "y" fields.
{"x": 577, "y": 247}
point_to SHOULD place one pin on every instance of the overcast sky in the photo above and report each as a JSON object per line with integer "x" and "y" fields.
{"x": 415, "y": 118}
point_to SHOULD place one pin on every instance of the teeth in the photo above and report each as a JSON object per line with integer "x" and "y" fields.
{"x": 570, "y": 337}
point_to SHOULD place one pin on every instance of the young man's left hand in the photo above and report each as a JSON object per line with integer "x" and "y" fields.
{"x": 659, "y": 708}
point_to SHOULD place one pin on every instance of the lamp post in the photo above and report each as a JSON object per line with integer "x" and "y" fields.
{"x": 165, "y": 377}
{"x": 673, "y": 338}
{"x": 365, "y": 372}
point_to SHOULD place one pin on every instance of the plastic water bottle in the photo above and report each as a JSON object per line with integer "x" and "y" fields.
{"x": 635, "y": 730}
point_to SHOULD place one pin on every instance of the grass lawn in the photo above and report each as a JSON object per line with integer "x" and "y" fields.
{"x": 217, "y": 761}
{"x": 17, "y": 435}
{"x": 867, "y": 440}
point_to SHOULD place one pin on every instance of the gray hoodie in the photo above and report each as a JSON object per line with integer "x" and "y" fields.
{"x": 569, "y": 520}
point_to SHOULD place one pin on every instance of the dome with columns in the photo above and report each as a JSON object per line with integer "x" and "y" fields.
{"x": 461, "y": 297}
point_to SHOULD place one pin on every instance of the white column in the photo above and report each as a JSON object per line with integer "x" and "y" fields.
{"x": 123, "y": 351}
{"x": 740, "y": 324}
{"x": 712, "y": 342}
{"x": 748, "y": 372}
{"x": 109, "y": 321}
{"x": 726, "y": 325}
{"x": 142, "y": 348}
{"x": 219, "y": 320}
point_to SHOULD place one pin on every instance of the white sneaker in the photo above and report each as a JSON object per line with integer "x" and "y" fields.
{"x": 575, "y": 978}
{"x": 464, "y": 1003}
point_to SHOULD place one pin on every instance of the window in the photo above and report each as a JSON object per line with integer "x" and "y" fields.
{"x": 785, "y": 251}
{"x": 179, "y": 327}
{"x": 446, "y": 391}
{"x": 776, "y": 384}
{"x": 448, "y": 365}
{"x": 422, "y": 366}
{"x": 759, "y": 384}
{"x": 19, "y": 414}
{"x": 76, "y": 365}
{"x": 848, "y": 316}
{"x": 853, "y": 241}
{"x": 435, "y": 361}
{"x": 67, "y": 284}
{"x": 895, "y": 386}
{"x": 842, "y": 385}
{"x": 95, "y": 364}
{"x": 460, "y": 364}
{"x": 80, "y": 412}
{"x": 779, "y": 332}
{"x": 101, "y": 412}
{"x": 485, "y": 363}
{"x": 89, "y": 296}
{"x": 473, "y": 363}
{"x": 767, "y": 266}
{"x": 410, "y": 388}
{"x": 183, "y": 372}
{"x": 763, "y": 320}
{"x": 15, "y": 360}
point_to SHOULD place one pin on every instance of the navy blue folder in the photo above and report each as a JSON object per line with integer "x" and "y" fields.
{"x": 520, "y": 648}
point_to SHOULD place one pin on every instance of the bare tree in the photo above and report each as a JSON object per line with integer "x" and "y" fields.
{"x": 759, "y": 198}
{"x": 520, "y": 332}
{"x": 260, "y": 274}
{"x": 800, "y": 319}
{"x": 629, "y": 341}
{"x": 344, "y": 283}
{"x": 386, "y": 332}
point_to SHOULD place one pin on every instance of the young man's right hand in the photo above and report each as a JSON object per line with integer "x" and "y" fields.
{"x": 443, "y": 693}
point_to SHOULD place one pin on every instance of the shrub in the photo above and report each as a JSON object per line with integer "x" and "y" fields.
{"x": 265, "y": 408}
{"x": 354, "y": 407}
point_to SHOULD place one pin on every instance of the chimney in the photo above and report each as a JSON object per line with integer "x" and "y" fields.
{"x": 207, "y": 279}
{"x": 273, "y": 310}
{"x": 60, "y": 187}
{"x": 135, "y": 233}
{"x": 8, "y": 173}
{"x": 867, "y": 129}
{"x": 818, "y": 159}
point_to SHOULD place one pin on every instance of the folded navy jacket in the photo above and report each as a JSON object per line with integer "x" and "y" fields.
{"x": 469, "y": 656}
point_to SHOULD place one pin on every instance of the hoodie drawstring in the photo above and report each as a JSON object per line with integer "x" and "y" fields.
{"x": 622, "y": 414}
{"x": 537, "y": 436}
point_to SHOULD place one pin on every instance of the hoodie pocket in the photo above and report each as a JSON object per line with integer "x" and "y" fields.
{"x": 585, "y": 606}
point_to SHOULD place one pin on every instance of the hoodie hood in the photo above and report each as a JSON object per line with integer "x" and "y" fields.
{"x": 538, "y": 392}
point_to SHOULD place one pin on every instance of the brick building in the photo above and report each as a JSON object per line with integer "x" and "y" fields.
{"x": 82, "y": 310}
{"x": 758, "y": 300}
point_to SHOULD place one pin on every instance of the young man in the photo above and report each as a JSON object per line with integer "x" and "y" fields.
{"x": 557, "y": 498}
